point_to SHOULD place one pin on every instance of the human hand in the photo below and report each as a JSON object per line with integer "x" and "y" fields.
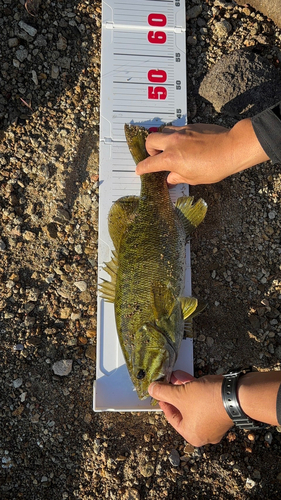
{"x": 193, "y": 407}
{"x": 202, "y": 153}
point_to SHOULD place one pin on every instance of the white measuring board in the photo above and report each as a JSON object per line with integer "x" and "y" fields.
{"x": 143, "y": 81}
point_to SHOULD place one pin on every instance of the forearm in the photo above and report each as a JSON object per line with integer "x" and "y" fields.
{"x": 257, "y": 395}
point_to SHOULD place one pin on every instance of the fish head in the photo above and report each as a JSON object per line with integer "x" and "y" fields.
{"x": 153, "y": 358}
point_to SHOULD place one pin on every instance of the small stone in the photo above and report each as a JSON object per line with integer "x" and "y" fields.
{"x": 222, "y": 28}
{"x": 55, "y": 72}
{"x": 91, "y": 352}
{"x": 17, "y": 383}
{"x": 192, "y": 40}
{"x": 75, "y": 316}
{"x": 268, "y": 437}
{"x": 44, "y": 479}
{"x": 63, "y": 367}
{"x": 251, "y": 436}
{"x": 88, "y": 418}
{"x": 78, "y": 249}
{"x": 188, "y": 449}
{"x": 34, "y": 77}
{"x": 210, "y": 341}
{"x": 52, "y": 230}
{"x": 18, "y": 347}
{"x": 13, "y": 42}
{"x": 21, "y": 54}
{"x": 2, "y": 246}
{"x": 147, "y": 469}
{"x": 81, "y": 285}
{"x": 61, "y": 43}
{"x": 174, "y": 458}
{"x": 27, "y": 28}
{"x": 250, "y": 483}
{"x": 194, "y": 12}
{"x": 279, "y": 477}
{"x": 64, "y": 62}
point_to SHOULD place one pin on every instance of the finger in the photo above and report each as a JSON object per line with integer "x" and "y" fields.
{"x": 158, "y": 141}
{"x": 172, "y": 414}
{"x": 174, "y": 178}
{"x": 164, "y": 392}
{"x": 180, "y": 377}
{"x": 151, "y": 164}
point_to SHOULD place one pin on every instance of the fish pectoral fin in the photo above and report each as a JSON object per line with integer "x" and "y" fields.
{"x": 190, "y": 215}
{"x": 188, "y": 306}
{"x": 163, "y": 301}
{"x": 121, "y": 214}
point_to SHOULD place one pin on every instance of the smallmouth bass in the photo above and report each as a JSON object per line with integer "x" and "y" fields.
{"x": 147, "y": 271}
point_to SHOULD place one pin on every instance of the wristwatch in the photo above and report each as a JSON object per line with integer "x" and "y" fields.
{"x": 231, "y": 403}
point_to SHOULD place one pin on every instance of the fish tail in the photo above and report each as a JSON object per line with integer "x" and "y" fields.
{"x": 136, "y": 137}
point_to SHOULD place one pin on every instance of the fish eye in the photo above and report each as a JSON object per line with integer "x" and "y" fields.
{"x": 141, "y": 374}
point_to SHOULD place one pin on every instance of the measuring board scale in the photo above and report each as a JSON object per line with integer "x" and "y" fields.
{"x": 129, "y": 61}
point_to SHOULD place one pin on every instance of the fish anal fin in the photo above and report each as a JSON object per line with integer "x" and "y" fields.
{"x": 190, "y": 215}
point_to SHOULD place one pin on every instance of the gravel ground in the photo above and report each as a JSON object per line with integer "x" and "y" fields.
{"x": 52, "y": 444}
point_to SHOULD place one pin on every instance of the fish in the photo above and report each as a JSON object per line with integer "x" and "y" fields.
{"x": 147, "y": 271}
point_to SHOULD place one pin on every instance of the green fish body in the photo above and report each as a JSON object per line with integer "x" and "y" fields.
{"x": 148, "y": 272}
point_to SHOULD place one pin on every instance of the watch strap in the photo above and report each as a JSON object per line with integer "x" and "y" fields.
{"x": 231, "y": 403}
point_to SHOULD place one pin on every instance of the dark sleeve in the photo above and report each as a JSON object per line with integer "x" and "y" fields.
{"x": 278, "y": 406}
{"x": 267, "y": 127}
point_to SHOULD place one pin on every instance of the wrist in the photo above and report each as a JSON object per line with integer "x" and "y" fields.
{"x": 246, "y": 150}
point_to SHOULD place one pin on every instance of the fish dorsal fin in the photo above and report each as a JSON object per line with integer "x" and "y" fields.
{"x": 190, "y": 215}
{"x": 121, "y": 214}
{"x": 107, "y": 288}
{"x": 163, "y": 301}
{"x": 188, "y": 306}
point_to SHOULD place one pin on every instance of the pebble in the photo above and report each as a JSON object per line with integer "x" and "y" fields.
{"x": 63, "y": 367}
{"x": 222, "y": 28}
{"x": 147, "y": 469}
{"x": 13, "y": 42}
{"x": 194, "y": 12}
{"x": 29, "y": 29}
{"x": 268, "y": 437}
{"x": 250, "y": 483}
{"x": 17, "y": 383}
{"x": 81, "y": 285}
{"x": 91, "y": 352}
{"x": 2, "y": 246}
{"x": 21, "y": 54}
{"x": 174, "y": 458}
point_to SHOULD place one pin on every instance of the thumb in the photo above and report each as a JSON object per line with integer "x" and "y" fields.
{"x": 164, "y": 392}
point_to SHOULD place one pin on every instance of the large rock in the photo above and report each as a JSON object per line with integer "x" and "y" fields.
{"x": 270, "y": 8}
{"x": 242, "y": 83}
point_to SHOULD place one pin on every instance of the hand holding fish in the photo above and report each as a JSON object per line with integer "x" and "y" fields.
{"x": 193, "y": 407}
{"x": 202, "y": 153}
